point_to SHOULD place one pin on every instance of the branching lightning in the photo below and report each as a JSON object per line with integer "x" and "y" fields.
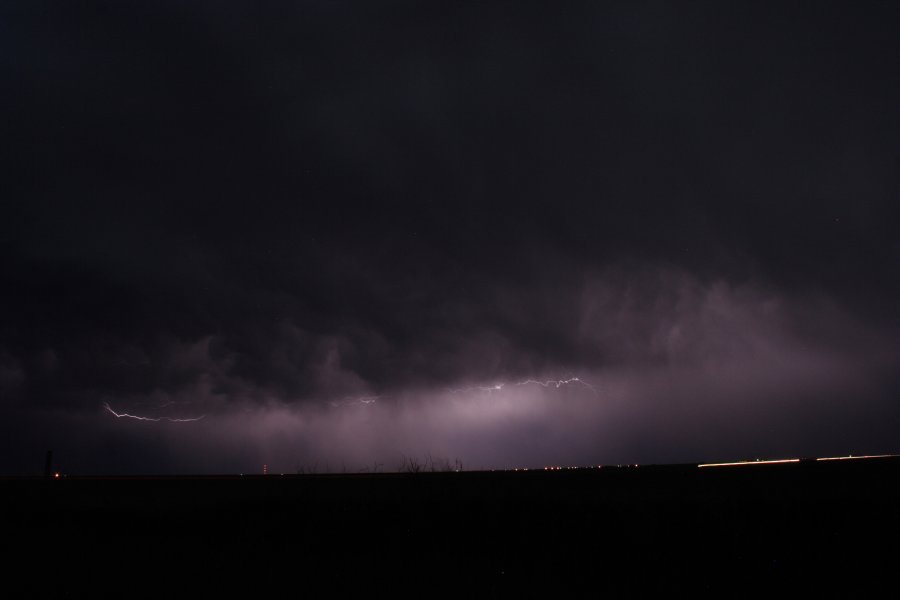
{"x": 154, "y": 419}
{"x": 476, "y": 389}
{"x": 350, "y": 400}
{"x": 372, "y": 399}
{"x": 558, "y": 383}
{"x": 555, "y": 383}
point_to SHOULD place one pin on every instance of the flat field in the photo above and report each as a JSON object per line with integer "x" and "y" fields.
{"x": 734, "y": 531}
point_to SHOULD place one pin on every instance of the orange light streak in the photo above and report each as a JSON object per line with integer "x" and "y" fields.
{"x": 851, "y": 457}
{"x": 751, "y": 462}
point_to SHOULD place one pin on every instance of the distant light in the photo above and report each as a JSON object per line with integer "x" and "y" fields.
{"x": 56, "y": 475}
{"x": 851, "y": 457}
{"x": 751, "y": 462}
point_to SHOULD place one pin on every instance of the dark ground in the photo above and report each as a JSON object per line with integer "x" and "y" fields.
{"x": 807, "y": 527}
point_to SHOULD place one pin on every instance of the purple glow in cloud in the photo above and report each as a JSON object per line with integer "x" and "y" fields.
{"x": 695, "y": 372}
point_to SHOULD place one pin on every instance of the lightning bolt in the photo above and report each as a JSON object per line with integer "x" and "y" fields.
{"x": 365, "y": 400}
{"x": 558, "y": 383}
{"x": 555, "y": 383}
{"x": 154, "y": 419}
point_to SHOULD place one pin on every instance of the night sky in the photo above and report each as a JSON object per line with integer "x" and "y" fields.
{"x": 512, "y": 233}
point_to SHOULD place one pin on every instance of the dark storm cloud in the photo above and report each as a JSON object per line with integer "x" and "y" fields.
{"x": 677, "y": 369}
{"x": 252, "y": 211}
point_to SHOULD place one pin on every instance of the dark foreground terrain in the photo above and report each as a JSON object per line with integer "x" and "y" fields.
{"x": 804, "y": 527}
